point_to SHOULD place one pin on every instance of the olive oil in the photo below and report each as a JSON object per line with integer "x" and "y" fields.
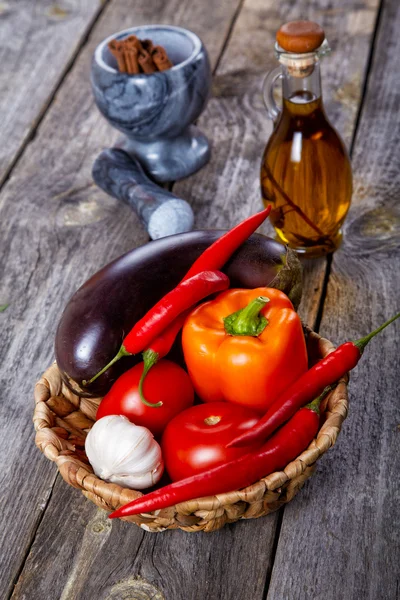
{"x": 305, "y": 170}
{"x": 306, "y": 176}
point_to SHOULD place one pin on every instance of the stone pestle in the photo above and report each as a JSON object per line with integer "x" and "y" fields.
{"x": 160, "y": 211}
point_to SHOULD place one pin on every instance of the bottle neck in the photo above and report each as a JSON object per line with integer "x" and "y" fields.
{"x": 300, "y": 86}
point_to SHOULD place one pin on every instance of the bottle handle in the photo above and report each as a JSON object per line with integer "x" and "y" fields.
{"x": 268, "y": 93}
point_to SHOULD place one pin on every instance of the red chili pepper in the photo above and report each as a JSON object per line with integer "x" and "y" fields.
{"x": 216, "y": 255}
{"x": 213, "y": 258}
{"x": 325, "y": 372}
{"x": 186, "y": 294}
{"x": 283, "y": 447}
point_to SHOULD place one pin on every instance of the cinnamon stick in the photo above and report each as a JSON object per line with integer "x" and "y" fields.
{"x": 161, "y": 59}
{"x": 131, "y": 59}
{"x": 143, "y": 55}
{"x": 131, "y": 40}
{"x": 146, "y": 62}
{"x": 148, "y": 46}
{"x": 117, "y": 50}
{"x": 135, "y": 56}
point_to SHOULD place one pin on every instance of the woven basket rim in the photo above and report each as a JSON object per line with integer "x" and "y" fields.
{"x": 62, "y": 418}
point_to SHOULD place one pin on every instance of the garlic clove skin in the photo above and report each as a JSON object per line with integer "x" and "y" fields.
{"x": 123, "y": 453}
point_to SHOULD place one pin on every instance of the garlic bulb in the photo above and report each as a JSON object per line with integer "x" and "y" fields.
{"x": 124, "y": 453}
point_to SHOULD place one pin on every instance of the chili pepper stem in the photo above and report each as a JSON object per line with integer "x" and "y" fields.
{"x": 121, "y": 353}
{"x": 247, "y": 321}
{"x": 361, "y": 343}
{"x": 315, "y": 404}
{"x": 150, "y": 358}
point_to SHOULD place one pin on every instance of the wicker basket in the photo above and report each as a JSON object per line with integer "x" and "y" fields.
{"x": 62, "y": 420}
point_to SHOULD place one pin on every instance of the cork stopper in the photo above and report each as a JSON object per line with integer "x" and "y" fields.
{"x": 300, "y": 36}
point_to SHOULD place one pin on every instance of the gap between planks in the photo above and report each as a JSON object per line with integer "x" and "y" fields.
{"x": 33, "y": 536}
{"x": 378, "y": 21}
{"x": 228, "y": 35}
{"x": 231, "y": 27}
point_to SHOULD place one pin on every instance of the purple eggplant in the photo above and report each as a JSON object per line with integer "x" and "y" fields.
{"x": 106, "y": 307}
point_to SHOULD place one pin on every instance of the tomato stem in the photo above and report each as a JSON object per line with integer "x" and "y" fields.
{"x": 150, "y": 358}
{"x": 212, "y": 420}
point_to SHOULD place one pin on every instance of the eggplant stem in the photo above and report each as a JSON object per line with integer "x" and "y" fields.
{"x": 121, "y": 353}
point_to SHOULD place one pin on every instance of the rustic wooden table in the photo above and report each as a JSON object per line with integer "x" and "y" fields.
{"x": 339, "y": 538}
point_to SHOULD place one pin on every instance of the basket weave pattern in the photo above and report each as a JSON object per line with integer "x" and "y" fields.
{"x": 62, "y": 420}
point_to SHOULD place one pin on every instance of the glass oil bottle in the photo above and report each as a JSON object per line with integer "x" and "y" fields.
{"x": 305, "y": 173}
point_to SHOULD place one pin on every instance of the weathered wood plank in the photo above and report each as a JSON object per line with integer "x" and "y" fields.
{"x": 38, "y": 41}
{"x": 342, "y": 533}
{"x": 50, "y": 215}
{"x": 79, "y": 553}
{"x": 47, "y": 234}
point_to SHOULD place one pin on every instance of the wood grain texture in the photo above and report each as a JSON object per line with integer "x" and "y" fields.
{"x": 347, "y": 521}
{"x": 79, "y": 553}
{"x": 56, "y": 230}
{"x": 38, "y": 41}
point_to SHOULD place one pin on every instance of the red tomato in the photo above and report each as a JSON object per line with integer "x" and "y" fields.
{"x": 195, "y": 440}
{"x": 166, "y": 382}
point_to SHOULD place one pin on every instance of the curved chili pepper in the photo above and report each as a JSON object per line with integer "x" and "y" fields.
{"x": 186, "y": 294}
{"x": 216, "y": 255}
{"x": 213, "y": 258}
{"x": 282, "y": 448}
{"x": 325, "y": 372}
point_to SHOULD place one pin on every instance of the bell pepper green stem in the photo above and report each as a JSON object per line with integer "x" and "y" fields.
{"x": 150, "y": 358}
{"x": 361, "y": 343}
{"x": 121, "y": 352}
{"x": 247, "y": 321}
{"x": 315, "y": 404}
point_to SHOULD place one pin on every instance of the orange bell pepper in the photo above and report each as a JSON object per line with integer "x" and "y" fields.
{"x": 245, "y": 346}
